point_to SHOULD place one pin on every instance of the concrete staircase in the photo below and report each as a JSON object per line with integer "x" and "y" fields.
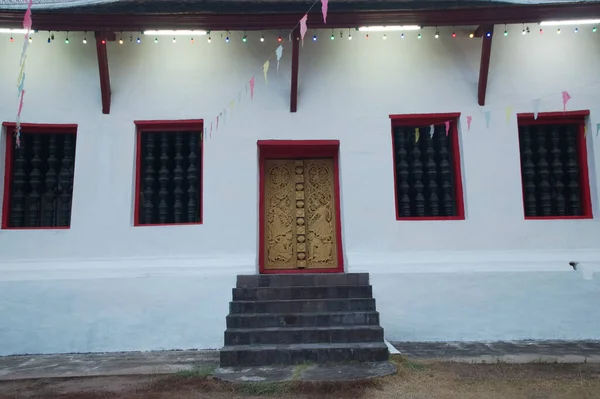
{"x": 298, "y": 318}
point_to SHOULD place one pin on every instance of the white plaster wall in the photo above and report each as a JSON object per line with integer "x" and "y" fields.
{"x": 105, "y": 285}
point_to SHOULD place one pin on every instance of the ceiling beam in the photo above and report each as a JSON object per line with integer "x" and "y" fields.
{"x": 505, "y": 14}
{"x": 101, "y": 39}
{"x": 484, "y": 67}
{"x": 295, "y": 66}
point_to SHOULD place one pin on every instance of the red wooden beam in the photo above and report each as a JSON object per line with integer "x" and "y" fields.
{"x": 484, "y": 68}
{"x": 295, "y": 63}
{"x": 101, "y": 39}
{"x": 505, "y": 14}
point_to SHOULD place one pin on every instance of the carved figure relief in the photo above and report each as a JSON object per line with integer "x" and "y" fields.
{"x": 300, "y": 214}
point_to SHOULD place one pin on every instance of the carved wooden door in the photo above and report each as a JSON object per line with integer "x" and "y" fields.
{"x": 299, "y": 214}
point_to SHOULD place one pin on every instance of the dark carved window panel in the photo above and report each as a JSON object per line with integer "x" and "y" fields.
{"x": 425, "y": 173}
{"x": 170, "y": 178}
{"x": 551, "y": 170}
{"x": 41, "y": 180}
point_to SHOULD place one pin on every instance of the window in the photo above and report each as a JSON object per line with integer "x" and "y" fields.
{"x": 554, "y": 171}
{"x": 169, "y": 173}
{"x": 38, "y": 180}
{"x": 427, "y": 172}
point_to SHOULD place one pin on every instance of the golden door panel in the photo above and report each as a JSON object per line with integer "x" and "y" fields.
{"x": 300, "y": 214}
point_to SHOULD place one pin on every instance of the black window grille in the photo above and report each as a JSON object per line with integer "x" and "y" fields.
{"x": 170, "y": 178}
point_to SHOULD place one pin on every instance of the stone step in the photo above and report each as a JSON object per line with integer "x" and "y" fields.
{"x": 269, "y": 320}
{"x": 262, "y": 355}
{"x": 290, "y": 293}
{"x": 303, "y": 306}
{"x": 303, "y": 335}
{"x": 302, "y": 280}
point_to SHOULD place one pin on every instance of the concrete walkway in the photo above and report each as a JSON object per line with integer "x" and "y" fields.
{"x": 148, "y": 363}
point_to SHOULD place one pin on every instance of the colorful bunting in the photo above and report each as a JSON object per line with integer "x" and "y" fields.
{"x": 536, "y": 107}
{"x": 447, "y": 127}
{"x": 565, "y": 99}
{"x": 303, "y": 27}
{"x": 488, "y": 117}
{"x": 27, "y": 23}
{"x": 469, "y": 120}
{"x": 324, "y": 4}
{"x": 279, "y": 53}
{"x": 417, "y": 135}
{"x": 508, "y": 113}
{"x": 251, "y": 88}
{"x": 265, "y": 70}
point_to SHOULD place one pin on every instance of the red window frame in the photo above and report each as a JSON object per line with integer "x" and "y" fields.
{"x": 560, "y": 118}
{"x": 427, "y": 120}
{"x": 166, "y": 126}
{"x": 35, "y": 128}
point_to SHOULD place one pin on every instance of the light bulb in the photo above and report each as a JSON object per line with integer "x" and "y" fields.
{"x": 262, "y": 38}
{"x": 120, "y": 41}
{"x": 174, "y": 40}
{"x": 139, "y": 40}
{"x": 576, "y": 30}
{"x": 402, "y": 36}
{"x": 488, "y": 34}
{"x": 192, "y": 40}
{"x": 49, "y": 40}
{"x": 350, "y": 36}
{"x": 279, "y": 39}
{"x": 11, "y": 39}
{"x": 244, "y": 39}
{"x": 541, "y": 30}
{"x": 66, "y": 40}
{"x": 227, "y": 39}
{"x": 209, "y": 39}
{"x": 471, "y": 35}
{"x": 453, "y": 34}
{"x": 384, "y": 36}
{"x": 437, "y": 35}
{"x": 594, "y": 29}
{"x": 30, "y": 39}
{"x": 505, "y": 33}
{"x": 419, "y": 36}
{"x": 84, "y": 40}
{"x": 366, "y": 37}
{"x": 332, "y": 37}
{"x": 103, "y": 41}
{"x": 524, "y": 32}
{"x": 558, "y": 31}
{"x": 314, "y": 38}
{"x": 156, "y": 40}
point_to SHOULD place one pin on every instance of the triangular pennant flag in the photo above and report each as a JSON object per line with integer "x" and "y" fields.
{"x": 469, "y": 120}
{"x": 279, "y": 53}
{"x": 488, "y": 117}
{"x": 597, "y": 129}
{"x": 535, "y": 104}
{"x": 447, "y": 127}
{"x": 21, "y": 71}
{"x": 251, "y": 87}
{"x": 20, "y": 88}
{"x": 217, "y": 123}
{"x": 303, "y": 27}
{"x": 21, "y": 103}
{"x": 417, "y": 135}
{"x": 565, "y": 98}
{"x": 24, "y": 49}
{"x": 431, "y": 131}
{"x": 324, "y": 4}
{"x": 265, "y": 70}
{"x": 508, "y": 112}
{"x": 27, "y": 19}
{"x": 232, "y": 105}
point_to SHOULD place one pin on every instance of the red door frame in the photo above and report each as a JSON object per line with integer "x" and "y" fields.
{"x": 290, "y": 149}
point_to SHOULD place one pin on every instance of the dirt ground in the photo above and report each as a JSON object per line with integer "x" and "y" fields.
{"x": 415, "y": 380}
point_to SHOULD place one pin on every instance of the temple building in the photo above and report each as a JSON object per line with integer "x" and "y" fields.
{"x": 400, "y": 171}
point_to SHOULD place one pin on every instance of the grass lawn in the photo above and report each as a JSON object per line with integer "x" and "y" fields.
{"x": 415, "y": 380}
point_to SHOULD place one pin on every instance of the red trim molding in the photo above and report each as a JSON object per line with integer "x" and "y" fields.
{"x": 35, "y": 128}
{"x": 578, "y": 118}
{"x": 286, "y": 149}
{"x": 427, "y": 120}
{"x": 174, "y": 126}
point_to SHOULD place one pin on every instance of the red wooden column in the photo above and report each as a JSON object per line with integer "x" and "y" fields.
{"x": 295, "y": 62}
{"x": 484, "y": 68}
{"x": 101, "y": 40}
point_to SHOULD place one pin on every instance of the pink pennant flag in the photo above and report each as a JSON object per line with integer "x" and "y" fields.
{"x": 447, "y": 127}
{"x": 303, "y": 27}
{"x": 21, "y": 103}
{"x": 565, "y": 97}
{"x": 252, "y": 88}
{"x": 324, "y": 4}
{"x": 27, "y": 19}
{"x": 469, "y": 120}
